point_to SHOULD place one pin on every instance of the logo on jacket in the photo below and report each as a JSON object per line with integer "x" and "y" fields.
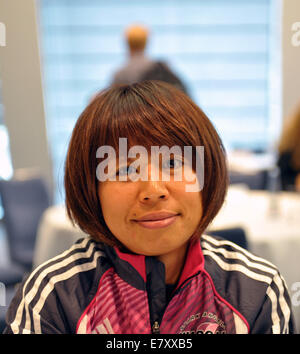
{"x": 104, "y": 328}
{"x": 205, "y": 323}
{"x": 207, "y": 328}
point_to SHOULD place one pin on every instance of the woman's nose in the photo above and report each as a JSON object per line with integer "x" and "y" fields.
{"x": 153, "y": 191}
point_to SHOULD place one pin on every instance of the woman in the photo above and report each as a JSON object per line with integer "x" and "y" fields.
{"x": 289, "y": 154}
{"x": 146, "y": 266}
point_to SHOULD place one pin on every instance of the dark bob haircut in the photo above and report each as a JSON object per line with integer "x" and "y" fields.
{"x": 151, "y": 113}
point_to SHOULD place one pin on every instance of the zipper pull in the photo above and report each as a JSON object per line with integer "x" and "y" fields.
{"x": 155, "y": 327}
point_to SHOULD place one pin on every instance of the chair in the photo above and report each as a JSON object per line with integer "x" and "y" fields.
{"x": 257, "y": 181}
{"x": 9, "y": 294}
{"x": 236, "y": 235}
{"x": 23, "y": 202}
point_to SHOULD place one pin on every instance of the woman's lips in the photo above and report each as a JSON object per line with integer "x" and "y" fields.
{"x": 157, "y": 224}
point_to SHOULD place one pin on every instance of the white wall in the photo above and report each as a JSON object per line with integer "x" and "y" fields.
{"x": 290, "y": 57}
{"x": 22, "y": 92}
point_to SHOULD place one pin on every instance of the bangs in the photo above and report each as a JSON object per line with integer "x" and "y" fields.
{"x": 144, "y": 123}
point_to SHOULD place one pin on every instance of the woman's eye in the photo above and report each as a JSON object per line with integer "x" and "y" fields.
{"x": 126, "y": 170}
{"x": 173, "y": 163}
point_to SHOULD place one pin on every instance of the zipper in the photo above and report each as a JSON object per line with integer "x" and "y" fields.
{"x": 155, "y": 328}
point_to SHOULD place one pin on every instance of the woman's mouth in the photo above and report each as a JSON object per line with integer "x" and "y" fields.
{"x": 158, "y": 223}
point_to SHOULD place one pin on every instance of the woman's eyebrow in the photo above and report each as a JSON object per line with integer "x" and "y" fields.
{"x": 128, "y": 161}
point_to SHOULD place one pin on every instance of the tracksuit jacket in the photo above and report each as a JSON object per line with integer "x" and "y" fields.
{"x": 94, "y": 288}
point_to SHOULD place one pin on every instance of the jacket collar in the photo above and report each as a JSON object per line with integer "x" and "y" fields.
{"x": 194, "y": 262}
{"x": 135, "y": 260}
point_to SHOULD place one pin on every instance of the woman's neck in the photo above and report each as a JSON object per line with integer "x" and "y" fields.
{"x": 174, "y": 262}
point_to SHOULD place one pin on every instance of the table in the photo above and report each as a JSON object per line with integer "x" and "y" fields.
{"x": 250, "y": 163}
{"x": 271, "y": 222}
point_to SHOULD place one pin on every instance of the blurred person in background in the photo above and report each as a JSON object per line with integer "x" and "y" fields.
{"x": 141, "y": 68}
{"x": 289, "y": 153}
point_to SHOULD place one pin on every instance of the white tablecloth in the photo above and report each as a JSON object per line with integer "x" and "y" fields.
{"x": 250, "y": 163}
{"x": 55, "y": 234}
{"x": 271, "y": 222}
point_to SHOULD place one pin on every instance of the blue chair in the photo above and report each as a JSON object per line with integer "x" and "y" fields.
{"x": 24, "y": 202}
{"x": 257, "y": 181}
{"x": 236, "y": 235}
{"x": 9, "y": 294}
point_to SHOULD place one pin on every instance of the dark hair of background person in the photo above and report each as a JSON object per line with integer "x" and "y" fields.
{"x": 150, "y": 113}
{"x": 289, "y": 151}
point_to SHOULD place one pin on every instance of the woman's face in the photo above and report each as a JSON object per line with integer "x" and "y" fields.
{"x": 124, "y": 204}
